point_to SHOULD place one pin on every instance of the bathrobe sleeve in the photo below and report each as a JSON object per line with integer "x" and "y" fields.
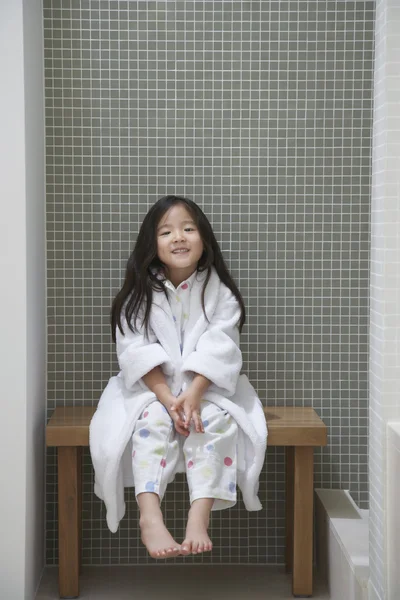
{"x": 217, "y": 354}
{"x": 138, "y": 354}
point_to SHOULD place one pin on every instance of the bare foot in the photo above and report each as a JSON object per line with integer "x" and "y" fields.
{"x": 197, "y": 540}
{"x": 157, "y": 539}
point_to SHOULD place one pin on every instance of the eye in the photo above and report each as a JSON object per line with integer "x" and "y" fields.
{"x": 189, "y": 228}
{"x": 164, "y": 233}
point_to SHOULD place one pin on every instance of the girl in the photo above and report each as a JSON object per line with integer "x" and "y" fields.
{"x": 179, "y": 402}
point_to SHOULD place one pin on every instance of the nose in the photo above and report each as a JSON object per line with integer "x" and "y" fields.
{"x": 179, "y": 235}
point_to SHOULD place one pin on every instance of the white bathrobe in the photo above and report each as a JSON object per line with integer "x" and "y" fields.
{"x": 210, "y": 348}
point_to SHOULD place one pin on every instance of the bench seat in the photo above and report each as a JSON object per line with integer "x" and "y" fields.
{"x": 298, "y": 429}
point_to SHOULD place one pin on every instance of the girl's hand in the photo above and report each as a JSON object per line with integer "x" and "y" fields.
{"x": 156, "y": 382}
{"x": 176, "y": 415}
{"x": 189, "y": 402}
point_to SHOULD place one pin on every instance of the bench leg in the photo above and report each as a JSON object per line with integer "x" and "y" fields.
{"x": 289, "y": 508}
{"x": 69, "y": 517}
{"x": 80, "y": 514}
{"x": 303, "y": 497}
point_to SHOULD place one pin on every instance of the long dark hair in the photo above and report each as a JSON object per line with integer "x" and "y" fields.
{"x": 136, "y": 294}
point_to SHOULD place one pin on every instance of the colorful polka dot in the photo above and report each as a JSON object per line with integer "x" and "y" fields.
{"x": 144, "y": 433}
{"x": 190, "y": 464}
{"x": 159, "y": 450}
{"x": 163, "y": 463}
{"x": 146, "y": 414}
{"x": 178, "y": 299}
{"x": 185, "y": 315}
{"x": 175, "y": 319}
{"x": 164, "y": 409}
{"x": 149, "y": 487}
{"x": 207, "y": 472}
{"x": 210, "y": 447}
{"x": 232, "y": 486}
{"x": 206, "y": 423}
{"x": 143, "y": 464}
{"x": 133, "y": 454}
{"x": 185, "y": 286}
{"x": 227, "y": 461}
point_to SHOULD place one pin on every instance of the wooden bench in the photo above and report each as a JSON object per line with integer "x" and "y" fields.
{"x": 298, "y": 429}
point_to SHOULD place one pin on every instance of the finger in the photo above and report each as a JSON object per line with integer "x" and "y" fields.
{"x": 200, "y": 422}
{"x": 188, "y": 417}
{"x": 197, "y": 422}
{"x": 177, "y": 418}
{"x": 181, "y": 430}
{"x": 181, "y": 423}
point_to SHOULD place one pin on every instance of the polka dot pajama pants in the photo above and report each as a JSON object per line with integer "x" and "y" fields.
{"x": 210, "y": 457}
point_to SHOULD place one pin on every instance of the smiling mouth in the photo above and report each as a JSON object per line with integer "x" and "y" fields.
{"x": 180, "y": 251}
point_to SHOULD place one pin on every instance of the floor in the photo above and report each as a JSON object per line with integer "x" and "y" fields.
{"x": 176, "y": 582}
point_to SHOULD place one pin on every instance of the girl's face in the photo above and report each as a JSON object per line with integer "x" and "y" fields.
{"x": 179, "y": 245}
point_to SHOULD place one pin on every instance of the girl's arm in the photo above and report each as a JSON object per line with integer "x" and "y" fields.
{"x": 217, "y": 355}
{"x": 138, "y": 354}
{"x": 199, "y": 385}
{"x": 156, "y": 382}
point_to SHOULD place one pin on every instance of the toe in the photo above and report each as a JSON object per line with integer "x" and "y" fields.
{"x": 185, "y": 548}
{"x": 195, "y": 547}
{"x": 200, "y": 548}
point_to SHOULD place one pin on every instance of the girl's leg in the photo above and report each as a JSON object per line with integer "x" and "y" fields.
{"x": 155, "y": 536}
{"x": 210, "y": 460}
{"x": 155, "y": 452}
{"x": 196, "y": 538}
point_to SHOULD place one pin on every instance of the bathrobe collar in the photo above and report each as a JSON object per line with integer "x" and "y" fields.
{"x": 188, "y": 282}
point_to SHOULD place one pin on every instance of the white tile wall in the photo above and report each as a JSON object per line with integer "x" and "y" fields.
{"x": 385, "y": 279}
{"x": 393, "y": 520}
